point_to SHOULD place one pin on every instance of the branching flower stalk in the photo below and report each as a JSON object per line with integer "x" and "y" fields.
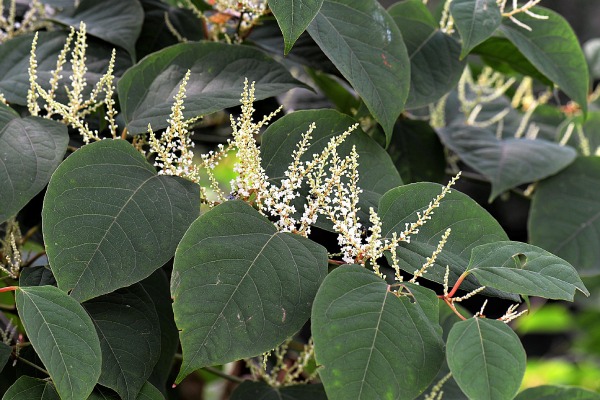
{"x": 33, "y": 19}
{"x": 516, "y": 9}
{"x": 10, "y": 248}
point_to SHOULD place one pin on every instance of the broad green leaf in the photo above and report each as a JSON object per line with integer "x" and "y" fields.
{"x": 261, "y": 391}
{"x": 129, "y": 332}
{"x": 115, "y": 21}
{"x": 376, "y": 170}
{"x": 548, "y": 392}
{"x": 370, "y": 342}
{"x": 552, "y": 47}
{"x": 31, "y": 148}
{"x": 148, "y": 392}
{"x": 365, "y": 44}
{"x": 435, "y": 68}
{"x": 109, "y": 220}
{"x": 521, "y": 268}
{"x": 216, "y": 82}
{"x": 293, "y": 17}
{"x": 486, "y": 359}
{"x": 5, "y": 352}
{"x": 564, "y": 215}
{"x": 63, "y": 336}
{"x": 509, "y": 162}
{"x": 471, "y": 226}
{"x": 40, "y": 275}
{"x": 240, "y": 288}
{"x": 476, "y": 20}
{"x": 28, "y": 388}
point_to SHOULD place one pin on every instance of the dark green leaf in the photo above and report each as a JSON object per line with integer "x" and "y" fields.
{"x": 234, "y": 304}
{"x": 217, "y": 79}
{"x": 505, "y": 162}
{"x": 63, "y": 336}
{"x": 486, "y": 359}
{"x": 293, "y": 17}
{"x": 31, "y": 149}
{"x": 129, "y": 332}
{"x": 435, "y": 68}
{"x": 476, "y": 20}
{"x": 261, "y": 391}
{"x": 40, "y": 275}
{"x": 552, "y": 47}
{"x": 109, "y": 220}
{"x": 115, "y": 21}
{"x": 548, "y": 392}
{"x": 471, "y": 226}
{"x": 148, "y": 392}
{"x": 564, "y": 215}
{"x": 27, "y": 388}
{"x": 371, "y": 343}
{"x": 5, "y": 351}
{"x": 344, "y": 100}
{"x": 521, "y": 268}
{"x": 366, "y": 46}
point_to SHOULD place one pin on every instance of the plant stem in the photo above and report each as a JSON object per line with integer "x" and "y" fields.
{"x": 23, "y": 360}
{"x": 460, "y": 280}
{"x": 8, "y": 289}
{"x": 451, "y": 305}
{"x": 222, "y": 374}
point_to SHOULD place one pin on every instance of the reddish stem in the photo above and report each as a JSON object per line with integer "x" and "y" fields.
{"x": 457, "y": 284}
{"x": 8, "y": 289}
{"x": 451, "y": 305}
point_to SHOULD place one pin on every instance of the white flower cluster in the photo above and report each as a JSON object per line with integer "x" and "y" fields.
{"x": 32, "y": 20}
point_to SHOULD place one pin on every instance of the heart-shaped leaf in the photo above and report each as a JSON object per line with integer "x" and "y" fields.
{"x": 28, "y": 388}
{"x": 505, "y": 162}
{"x": 293, "y": 17}
{"x": 129, "y": 332}
{"x": 260, "y": 390}
{"x": 109, "y": 220}
{"x": 364, "y": 43}
{"x": 372, "y": 343}
{"x": 31, "y": 149}
{"x": 476, "y": 20}
{"x": 216, "y": 81}
{"x": 63, "y": 336}
{"x": 486, "y": 359}
{"x": 521, "y": 268}
{"x": 548, "y": 392}
{"x": 229, "y": 305}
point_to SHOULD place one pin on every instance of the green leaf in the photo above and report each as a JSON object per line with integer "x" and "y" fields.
{"x": 216, "y": 82}
{"x": 110, "y": 221}
{"x": 548, "y": 392}
{"x": 339, "y": 94}
{"x": 552, "y": 47}
{"x": 31, "y": 148}
{"x": 486, "y": 359}
{"x": 262, "y": 391}
{"x": 564, "y": 215}
{"x": 5, "y": 352}
{"x": 375, "y": 168}
{"x": 115, "y": 21}
{"x": 27, "y": 388}
{"x": 129, "y": 332}
{"x": 435, "y": 68}
{"x": 63, "y": 336}
{"x": 509, "y": 162}
{"x": 371, "y": 343}
{"x": 521, "y": 268}
{"x": 39, "y": 275}
{"x": 293, "y": 17}
{"x": 365, "y": 44}
{"x": 234, "y": 304}
{"x": 471, "y": 226}
{"x": 475, "y": 20}
{"x": 148, "y": 392}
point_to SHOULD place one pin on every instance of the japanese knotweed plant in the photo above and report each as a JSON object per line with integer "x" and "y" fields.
{"x": 301, "y": 256}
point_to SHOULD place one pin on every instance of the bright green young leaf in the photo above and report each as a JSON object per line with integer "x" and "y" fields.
{"x": 129, "y": 332}
{"x": 435, "y": 68}
{"x": 217, "y": 79}
{"x": 375, "y": 168}
{"x": 115, "y": 21}
{"x": 365, "y": 44}
{"x": 240, "y": 287}
{"x": 509, "y": 162}
{"x": 259, "y": 390}
{"x": 371, "y": 343}
{"x": 486, "y": 359}
{"x": 31, "y": 148}
{"x": 476, "y": 20}
{"x": 109, "y": 220}
{"x": 522, "y": 268}
{"x": 28, "y": 388}
{"x": 63, "y": 336}
{"x": 552, "y": 47}
{"x": 548, "y": 392}
{"x": 293, "y": 17}
{"x": 471, "y": 226}
{"x": 564, "y": 215}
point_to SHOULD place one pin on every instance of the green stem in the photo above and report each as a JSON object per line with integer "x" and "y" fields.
{"x": 33, "y": 365}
